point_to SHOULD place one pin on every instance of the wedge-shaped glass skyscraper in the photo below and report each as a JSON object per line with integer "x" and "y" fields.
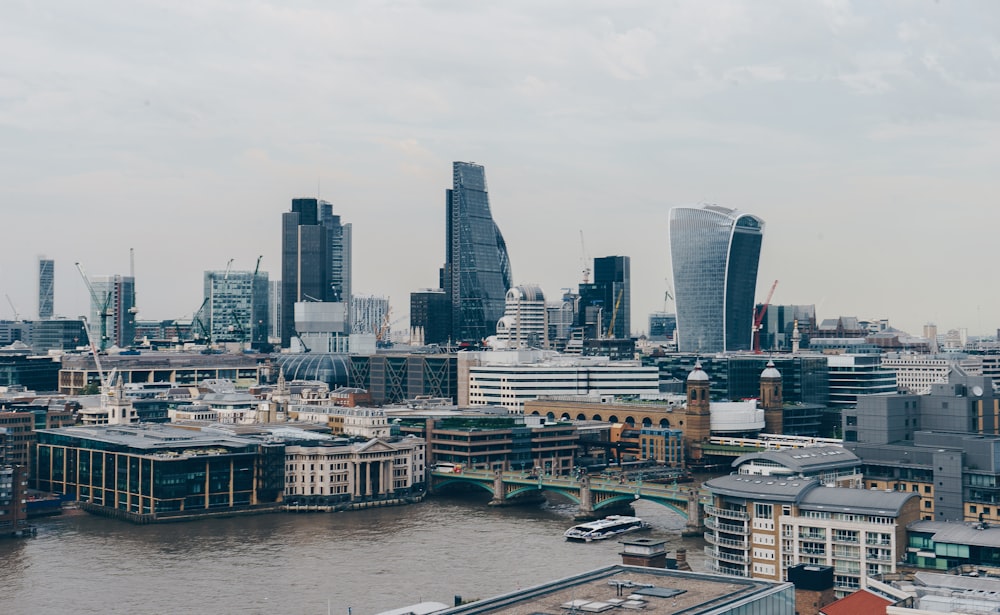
{"x": 715, "y": 252}
{"x": 476, "y": 274}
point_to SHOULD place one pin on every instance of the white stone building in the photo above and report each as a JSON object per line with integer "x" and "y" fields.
{"x": 377, "y": 468}
{"x": 525, "y": 321}
{"x": 915, "y": 373}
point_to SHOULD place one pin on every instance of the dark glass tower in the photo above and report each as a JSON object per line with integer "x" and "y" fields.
{"x": 306, "y": 261}
{"x": 476, "y": 274}
{"x": 715, "y": 252}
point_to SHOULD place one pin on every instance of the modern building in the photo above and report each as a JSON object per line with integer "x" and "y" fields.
{"x": 562, "y": 318}
{"x": 274, "y": 309}
{"x": 315, "y": 259}
{"x": 779, "y": 323}
{"x": 476, "y": 274}
{"x": 180, "y": 368}
{"x": 46, "y": 288}
{"x": 510, "y": 378}
{"x": 714, "y": 252}
{"x": 855, "y": 375}
{"x": 915, "y": 373}
{"x": 112, "y": 323}
{"x": 36, "y": 373}
{"x": 662, "y": 325}
{"x": 55, "y": 334}
{"x": 610, "y": 292}
{"x": 760, "y": 526}
{"x": 525, "y": 319}
{"x": 392, "y": 377}
{"x": 370, "y": 316}
{"x": 430, "y": 317}
{"x": 944, "y": 446}
{"x": 236, "y": 307}
{"x": 150, "y": 472}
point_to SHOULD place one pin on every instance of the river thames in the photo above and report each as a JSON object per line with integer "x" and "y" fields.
{"x": 370, "y": 560}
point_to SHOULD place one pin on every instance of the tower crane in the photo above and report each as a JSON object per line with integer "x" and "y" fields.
{"x": 614, "y": 313}
{"x": 11, "y": 303}
{"x": 760, "y": 319}
{"x": 103, "y": 308}
{"x": 251, "y": 330}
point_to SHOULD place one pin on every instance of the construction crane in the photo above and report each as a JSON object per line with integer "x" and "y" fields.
{"x": 11, "y": 302}
{"x": 253, "y": 295}
{"x": 103, "y": 307}
{"x": 201, "y": 324}
{"x": 584, "y": 260}
{"x": 93, "y": 350}
{"x": 760, "y": 319}
{"x": 614, "y": 313}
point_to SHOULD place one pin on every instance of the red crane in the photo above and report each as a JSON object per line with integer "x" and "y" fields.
{"x": 760, "y": 318}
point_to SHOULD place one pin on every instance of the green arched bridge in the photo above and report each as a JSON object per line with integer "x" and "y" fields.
{"x": 592, "y": 494}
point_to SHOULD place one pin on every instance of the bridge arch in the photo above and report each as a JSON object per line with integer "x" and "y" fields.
{"x": 619, "y": 500}
{"x": 460, "y": 481}
{"x": 575, "y": 497}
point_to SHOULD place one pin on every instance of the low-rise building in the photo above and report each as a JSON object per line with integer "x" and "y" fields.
{"x": 915, "y": 373}
{"x": 344, "y": 420}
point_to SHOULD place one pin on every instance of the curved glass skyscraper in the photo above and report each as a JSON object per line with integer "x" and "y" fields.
{"x": 715, "y": 252}
{"x": 476, "y": 274}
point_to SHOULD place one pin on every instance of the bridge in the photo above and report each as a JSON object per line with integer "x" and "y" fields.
{"x": 592, "y": 494}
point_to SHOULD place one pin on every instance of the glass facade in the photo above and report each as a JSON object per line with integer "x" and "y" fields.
{"x": 46, "y": 293}
{"x": 477, "y": 272}
{"x": 715, "y": 252}
{"x": 237, "y": 306}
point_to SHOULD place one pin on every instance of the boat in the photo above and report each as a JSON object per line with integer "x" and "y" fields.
{"x": 605, "y": 528}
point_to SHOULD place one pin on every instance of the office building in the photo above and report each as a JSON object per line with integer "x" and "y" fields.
{"x": 55, "y": 334}
{"x": 779, "y": 323}
{"x": 715, "y": 252}
{"x": 662, "y": 326}
{"x": 610, "y": 292}
{"x": 562, "y": 318}
{"x": 370, "y": 316}
{"x": 854, "y": 375}
{"x": 46, "y": 287}
{"x": 179, "y": 368}
{"x": 236, "y": 307}
{"x": 315, "y": 260}
{"x": 393, "y": 377}
{"x": 430, "y": 317}
{"x": 525, "y": 320}
{"x": 274, "y": 309}
{"x": 476, "y": 274}
{"x": 112, "y": 323}
{"x": 915, "y": 373}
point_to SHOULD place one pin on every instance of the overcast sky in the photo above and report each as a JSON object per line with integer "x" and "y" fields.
{"x": 866, "y": 135}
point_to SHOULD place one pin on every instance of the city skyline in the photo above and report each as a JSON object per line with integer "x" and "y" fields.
{"x": 863, "y": 134}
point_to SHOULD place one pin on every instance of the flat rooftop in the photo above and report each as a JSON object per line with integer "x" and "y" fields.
{"x": 651, "y": 590}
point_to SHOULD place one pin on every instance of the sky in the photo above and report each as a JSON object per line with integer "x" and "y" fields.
{"x": 865, "y": 134}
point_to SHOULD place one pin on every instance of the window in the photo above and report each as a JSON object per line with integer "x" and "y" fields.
{"x": 852, "y": 421}
{"x": 763, "y": 511}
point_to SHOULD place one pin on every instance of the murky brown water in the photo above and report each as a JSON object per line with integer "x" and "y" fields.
{"x": 294, "y": 563}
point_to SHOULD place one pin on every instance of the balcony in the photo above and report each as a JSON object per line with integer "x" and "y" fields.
{"x": 715, "y": 511}
{"x": 845, "y": 539}
{"x": 812, "y": 551}
{"x": 846, "y": 553}
{"x": 723, "y": 556}
{"x": 715, "y": 524}
{"x": 733, "y": 572}
{"x": 714, "y": 539}
{"x": 812, "y": 536}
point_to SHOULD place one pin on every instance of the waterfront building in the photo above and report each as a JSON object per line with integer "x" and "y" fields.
{"x": 915, "y": 373}
{"x": 525, "y": 319}
{"x": 476, "y": 274}
{"x": 179, "y": 368}
{"x": 645, "y": 589}
{"x": 46, "y": 288}
{"x": 13, "y": 492}
{"x": 315, "y": 260}
{"x": 236, "y": 307}
{"x": 114, "y": 318}
{"x": 327, "y": 472}
{"x": 944, "y": 446}
{"x": 150, "y": 472}
{"x": 430, "y": 317}
{"x": 510, "y": 378}
{"x": 20, "y": 422}
{"x": 714, "y": 252}
{"x": 760, "y": 526}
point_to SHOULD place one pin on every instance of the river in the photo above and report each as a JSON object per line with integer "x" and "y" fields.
{"x": 370, "y": 560}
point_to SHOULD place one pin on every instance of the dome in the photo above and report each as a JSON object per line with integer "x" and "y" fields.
{"x": 333, "y": 369}
{"x": 770, "y": 371}
{"x": 698, "y": 374}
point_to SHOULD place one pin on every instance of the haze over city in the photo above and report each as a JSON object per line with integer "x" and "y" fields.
{"x": 864, "y": 135}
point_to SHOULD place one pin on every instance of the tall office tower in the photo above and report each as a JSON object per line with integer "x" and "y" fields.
{"x": 46, "y": 287}
{"x": 612, "y": 275}
{"x": 476, "y": 274}
{"x": 236, "y": 306}
{"x": 310, "y": 271}
{"x": 274, "y": 309}
{"x": 715, "y": 252}
{"x": 369, "y": 316}
{"x": 114, "y": 319}
{"x": 430, "y": 317}
{"x": 525, "y": 322}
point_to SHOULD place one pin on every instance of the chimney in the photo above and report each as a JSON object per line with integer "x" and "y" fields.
{"x": 645, "y": 552}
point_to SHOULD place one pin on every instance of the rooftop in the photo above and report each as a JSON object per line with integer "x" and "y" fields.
{"x": 806, "y": 459}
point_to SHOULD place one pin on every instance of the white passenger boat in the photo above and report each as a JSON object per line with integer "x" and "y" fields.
{"x": 605, "y": 528}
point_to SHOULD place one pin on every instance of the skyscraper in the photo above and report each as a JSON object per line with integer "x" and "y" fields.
{"x": 46, "y": 285}
{"x": 117, "y": 292}
{"x": 237, "y": 306}
{"x": 315, "y": 259}
{"x": 476, "y": 274}
{"x": 715, "y": 252}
